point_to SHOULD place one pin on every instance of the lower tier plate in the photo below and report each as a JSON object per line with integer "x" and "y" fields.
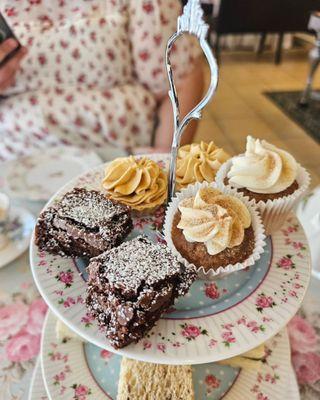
{"x": 74, "y": 368}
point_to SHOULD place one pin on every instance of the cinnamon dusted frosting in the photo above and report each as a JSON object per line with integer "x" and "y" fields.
{"x": 215, "y": 219}
{"x": 199, "y": 162}
{"x": 138, "y": 183}
{"x": 263, "y": 168}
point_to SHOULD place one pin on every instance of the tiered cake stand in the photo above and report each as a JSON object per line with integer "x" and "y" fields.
{"x": 215, "y": 321}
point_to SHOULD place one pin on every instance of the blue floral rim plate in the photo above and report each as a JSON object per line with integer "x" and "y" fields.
{"x": 72, "y": 369}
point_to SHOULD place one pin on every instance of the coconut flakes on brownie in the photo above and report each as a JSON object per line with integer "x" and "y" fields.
{"x": 132, "y": 285}
{"x": 84, "y": 223}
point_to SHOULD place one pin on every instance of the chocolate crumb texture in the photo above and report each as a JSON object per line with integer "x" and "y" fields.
{"x": 130, "y": 286}
{"x": 83, "y": 224}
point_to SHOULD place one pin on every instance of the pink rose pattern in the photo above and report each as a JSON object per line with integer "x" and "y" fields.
{"x": 270, "y": 377}
{"x": 264, "y": 301}
{"x": 20, "y": 328}
{"x": 36, "y": 315}
{"x": 89, "y": 82}
{"x": 57, "y": 356}
{"x": 66, "y": 277}
{"x": 154, "y": 222}
{"x": 212, "y": 291}
{"x": 188, "y": 333}
{"x": 106, "y": 355}
{"x": 87, "y": 320}
{"x": 303, "y": 337}
{"x": 81, "y": 392}
{"x": 13, "y": 318}
{"x": 211, "y": 382}
{"x": 21, "y": 318}
{"x": 304, "y": 346}
{"x": 22, "y": 347}
{"x": 307, "y": 367}
{"x": 161, "y": 347}
{"x": 286, "y": 262}
{"x": 227, "y": 334}
{"x": 191, "y": 332}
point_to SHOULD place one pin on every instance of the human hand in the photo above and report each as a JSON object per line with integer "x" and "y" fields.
{"x": 9, "y": 69}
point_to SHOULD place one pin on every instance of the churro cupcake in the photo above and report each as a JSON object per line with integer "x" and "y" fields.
{"x": 216, "y": 231}
{"x": 199, "y": 162}
{"x": 136, "y": 182}
{"x": 269, "y": 176}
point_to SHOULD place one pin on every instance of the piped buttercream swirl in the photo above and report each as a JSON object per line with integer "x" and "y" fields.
{"x": 215, "y": 219}
{"x": 263, "y": 168}
{"x": 138, "y": 183}
{"x": 199, "y": 162}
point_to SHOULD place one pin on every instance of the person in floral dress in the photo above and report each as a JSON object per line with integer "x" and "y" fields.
{"x": 91, "y": 74}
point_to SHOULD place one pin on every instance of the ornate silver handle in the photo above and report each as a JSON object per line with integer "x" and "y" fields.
{"x": 191, "y": 21}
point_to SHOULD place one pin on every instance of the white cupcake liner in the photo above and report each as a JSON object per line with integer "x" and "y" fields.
{"x": 259, "y": 232}
{"x": 274, "y": 213}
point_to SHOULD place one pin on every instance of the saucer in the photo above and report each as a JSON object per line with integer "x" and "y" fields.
{"x": 38, "y": 176}
{"x": 18, "y": 230}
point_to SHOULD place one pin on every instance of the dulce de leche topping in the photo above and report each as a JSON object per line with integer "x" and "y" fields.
{"x": 215, "y": 219}
{"x": 199, "y": 162}
{"x": 138, "y": 183}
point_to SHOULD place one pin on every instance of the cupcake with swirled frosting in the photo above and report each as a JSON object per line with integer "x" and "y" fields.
{"x": 136, "y": 182}
{"x": 216, "y": 231}
{"x": 268, "y": 175}
{"x": 199, "y": 162}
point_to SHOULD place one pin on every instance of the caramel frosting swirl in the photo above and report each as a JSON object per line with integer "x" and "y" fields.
{"x": 215, "y": 219}
{"x": 199, "y": 162}
{"x": 138, "y": 183}
{"x": 263, "y": 168}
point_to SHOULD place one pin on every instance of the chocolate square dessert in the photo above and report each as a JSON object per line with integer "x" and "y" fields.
{"x": 84, "y": 223}
{"x": 130, "y": 286}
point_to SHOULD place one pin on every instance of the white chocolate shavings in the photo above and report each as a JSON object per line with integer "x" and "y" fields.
{"x": 138, "y": 262}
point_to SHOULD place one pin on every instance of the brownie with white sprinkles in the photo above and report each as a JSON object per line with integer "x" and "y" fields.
{"x": 83, "y": 224}
{"x": 130, "y": 286}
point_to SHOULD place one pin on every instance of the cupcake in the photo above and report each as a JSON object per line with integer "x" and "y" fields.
{"x": 216, "y": 231}
{"x": 198, "y": 163}
{"x": 138, "y": 183}
{"x": 270, "y": 177}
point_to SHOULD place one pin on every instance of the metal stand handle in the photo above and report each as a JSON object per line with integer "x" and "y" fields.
{"x": 192, "y": 22}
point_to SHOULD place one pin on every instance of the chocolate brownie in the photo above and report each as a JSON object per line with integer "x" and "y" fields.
{"x": 84, "y": 223}
{"x": 130, "y": 286}
{"x": 266, "y": 196}
{"x": 197, "y": 254}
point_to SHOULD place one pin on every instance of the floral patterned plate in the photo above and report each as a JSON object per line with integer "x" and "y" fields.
{"x": 37, "y": 389}
{"x": 77, "y": 370}
{"x": 215, "y": 321}
{"x": 38, "y": 176}
{"x": 18, "y": 230}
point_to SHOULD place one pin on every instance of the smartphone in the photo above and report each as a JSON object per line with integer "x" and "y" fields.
{"x": 6, "y": 33}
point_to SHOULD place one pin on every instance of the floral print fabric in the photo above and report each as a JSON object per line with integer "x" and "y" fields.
{"x": 92, "y": 74}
